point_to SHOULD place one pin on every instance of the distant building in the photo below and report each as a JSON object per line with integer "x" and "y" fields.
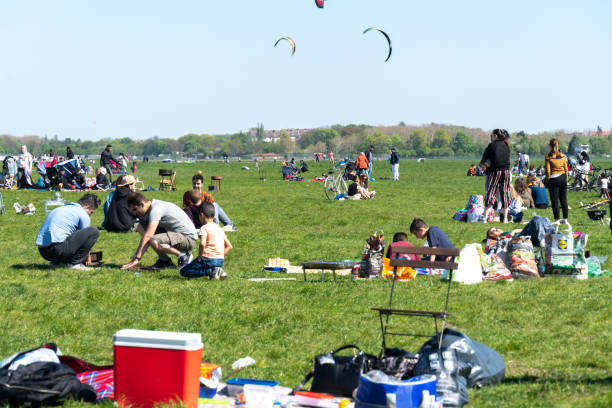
{"x": 603, "y": 133}
{"x": 274, "y": 135}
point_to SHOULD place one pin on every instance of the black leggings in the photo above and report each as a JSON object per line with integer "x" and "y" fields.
{"x": 557, "y": 189}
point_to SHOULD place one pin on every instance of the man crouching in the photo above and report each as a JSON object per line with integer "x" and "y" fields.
{"x": 164, "y": 227}
{"x": 66, "y": 237}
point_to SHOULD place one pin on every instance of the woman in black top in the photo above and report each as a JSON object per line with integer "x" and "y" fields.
{"x": 496, "y": 161}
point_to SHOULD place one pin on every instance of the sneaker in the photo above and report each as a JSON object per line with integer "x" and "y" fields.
{"x": 163, "y": 263}
{"x": 184, "y": 259}
{"x": 80, "y": 267}
{"x": 218, "y": 273}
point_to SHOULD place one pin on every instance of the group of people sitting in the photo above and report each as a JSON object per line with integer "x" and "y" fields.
{"x": 66, "y": 236}
{"x": 290, "y": 169}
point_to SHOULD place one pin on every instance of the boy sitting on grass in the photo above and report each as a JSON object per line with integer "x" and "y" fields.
{"x": 436, "y": 238}
{"x": 214, "y": 245}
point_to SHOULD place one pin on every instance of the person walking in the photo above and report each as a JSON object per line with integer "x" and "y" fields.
{"x": 105, "y": 160}
{"x": 556, "y": 179}
{"x": 394, "y": 160}
{"x": 370, "y": 157}
{"x": 66, "y": 237}
{"x": 69, "y": 153}
{"x": 496, "y": 161}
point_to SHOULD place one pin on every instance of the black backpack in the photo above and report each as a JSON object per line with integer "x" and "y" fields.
{"x": 42, "y": 383}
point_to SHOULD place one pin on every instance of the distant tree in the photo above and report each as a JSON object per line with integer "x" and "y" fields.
{"x": 576, "y": 141}
{"x": 402, "y": 124}
{"x": 599, "y": 131}
{"x": 463, "y": 142}
{"x": 440, "y": 139}
{"x": 418, "y": 142}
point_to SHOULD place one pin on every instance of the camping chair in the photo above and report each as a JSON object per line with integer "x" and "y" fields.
{"x": 167, "y": 180}
{"x": 385, "y": 313}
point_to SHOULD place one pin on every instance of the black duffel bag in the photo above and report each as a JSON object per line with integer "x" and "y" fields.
{"x": 338, "y": 375}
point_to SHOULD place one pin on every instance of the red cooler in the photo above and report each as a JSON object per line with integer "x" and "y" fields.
{"x": 155, "y": 366}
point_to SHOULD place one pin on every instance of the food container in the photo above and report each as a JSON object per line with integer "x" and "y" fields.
{"x": 314, "y": 399}
{"x": 236, "y": 385}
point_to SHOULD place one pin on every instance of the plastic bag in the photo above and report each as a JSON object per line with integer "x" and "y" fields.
{"x": 469, "y": 270}
{"x": 594, "y": 267}
{"x": 522, "y": 260}
{"x": 486, "y": 366}
{"x": 404, "y": 273}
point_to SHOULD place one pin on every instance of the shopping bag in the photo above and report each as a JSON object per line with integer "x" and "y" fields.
{"x": 562, "y": 243}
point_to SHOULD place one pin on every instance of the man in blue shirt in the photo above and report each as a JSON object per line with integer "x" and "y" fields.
{"x": 66, "y": 236}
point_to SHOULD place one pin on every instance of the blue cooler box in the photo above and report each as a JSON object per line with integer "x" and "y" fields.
{"x": 408, "y": 394}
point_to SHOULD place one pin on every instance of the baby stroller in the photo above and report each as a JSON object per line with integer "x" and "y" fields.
{"x": 9, "y": 166}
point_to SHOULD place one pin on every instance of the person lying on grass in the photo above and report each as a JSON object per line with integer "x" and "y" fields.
{"x": 436, "y": 238}
{"x": 214, "y": 245}
{"x": 164, "y": 227}
{"x": 494, "y": 234}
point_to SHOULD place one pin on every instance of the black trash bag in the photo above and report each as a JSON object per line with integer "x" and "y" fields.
{"x": 42, "y": 383}
{"x": 451, "y": 382}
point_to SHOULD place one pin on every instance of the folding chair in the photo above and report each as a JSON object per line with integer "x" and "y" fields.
{"x": 385, "y": 313}
{"x": 167, "y": 180}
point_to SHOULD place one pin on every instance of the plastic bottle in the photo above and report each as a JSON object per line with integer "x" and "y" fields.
{"x": 425, "y": 400}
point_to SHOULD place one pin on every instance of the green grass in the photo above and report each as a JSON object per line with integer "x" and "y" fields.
{"x": 553, "y": 333}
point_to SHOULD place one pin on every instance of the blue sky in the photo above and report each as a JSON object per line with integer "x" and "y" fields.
{"x": 93, "y": 69}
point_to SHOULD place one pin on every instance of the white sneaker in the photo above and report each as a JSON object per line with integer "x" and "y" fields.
{"x": 80, "y": 267}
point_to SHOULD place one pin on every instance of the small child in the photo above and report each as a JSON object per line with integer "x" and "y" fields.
{"x": 134, "y": 168}
{"x": 604, "y": 187}
{"x": 214, "y": 245}
{"x": 436, "y": 238}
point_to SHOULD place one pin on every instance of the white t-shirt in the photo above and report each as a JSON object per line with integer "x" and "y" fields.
{"x": 604, "y": 183}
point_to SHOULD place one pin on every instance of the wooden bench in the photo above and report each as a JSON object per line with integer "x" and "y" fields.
{"x": 450, "y": 264}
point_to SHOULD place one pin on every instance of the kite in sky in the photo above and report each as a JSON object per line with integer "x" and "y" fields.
{"x": 386, "y": 36}
{"x": 290, "y": 40}
{"x": 320, "y": 3}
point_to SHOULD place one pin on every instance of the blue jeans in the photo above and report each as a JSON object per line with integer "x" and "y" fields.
{"x": 201, "y": 267}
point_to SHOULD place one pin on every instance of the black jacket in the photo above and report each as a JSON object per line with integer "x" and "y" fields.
{"x": 496, "y": 156}
{"x": 120, "y": 219}
{"x": 105, "y": 158}
{"x": 102, "y": 180}
{"x": 394, "y": 158}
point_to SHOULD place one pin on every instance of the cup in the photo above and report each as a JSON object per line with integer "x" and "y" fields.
{"x": 259, "y": 396}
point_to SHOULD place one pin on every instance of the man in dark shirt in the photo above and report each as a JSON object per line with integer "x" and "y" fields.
{"x": 394, "y": 161}
{"x": 105, "y": 160}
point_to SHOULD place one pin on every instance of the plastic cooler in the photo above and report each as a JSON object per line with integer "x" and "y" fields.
{"x": 155, "y": 366}
{"x": 408, "y": 393}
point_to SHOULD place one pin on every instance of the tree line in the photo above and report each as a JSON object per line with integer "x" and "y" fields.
{"x": 433, "y": 140}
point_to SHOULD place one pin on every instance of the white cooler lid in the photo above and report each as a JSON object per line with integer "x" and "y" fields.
{"x": 158, "y": 339}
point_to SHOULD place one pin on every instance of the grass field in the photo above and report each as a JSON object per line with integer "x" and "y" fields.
{"x": 554, "y": 333}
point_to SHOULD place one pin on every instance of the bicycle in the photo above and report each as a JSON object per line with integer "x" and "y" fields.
{"x": 335, "y": 184}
